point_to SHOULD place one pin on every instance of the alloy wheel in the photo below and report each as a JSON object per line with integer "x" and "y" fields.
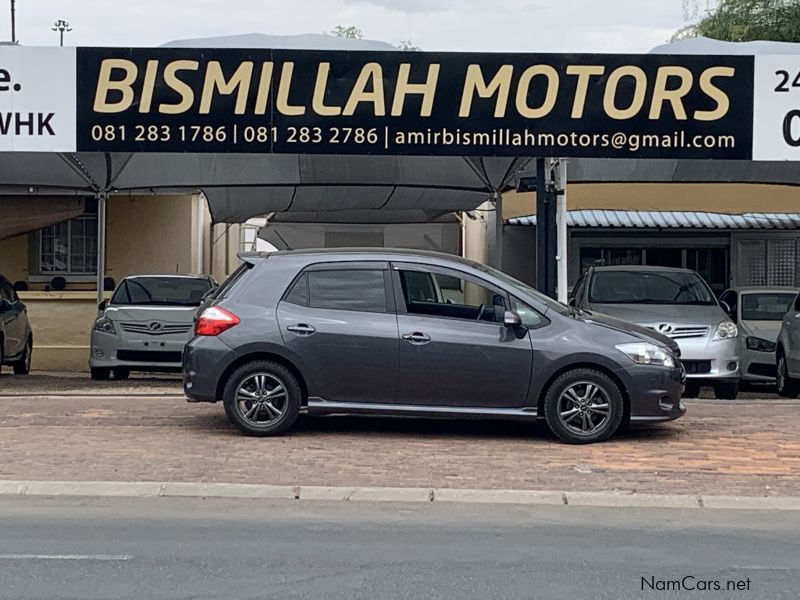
{"x": 584, "y": 407}
{"x": 261, "y": 399}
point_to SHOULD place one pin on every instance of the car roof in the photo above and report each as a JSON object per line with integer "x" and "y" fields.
{"x": 647, "y": 268}
{"x": 356, "y": 253}
{"x": 752, "y": 289}
{"x": 180, "y": 275}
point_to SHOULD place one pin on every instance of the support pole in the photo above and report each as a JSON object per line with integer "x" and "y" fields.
{"x": 102, "y": 197}
{"x": 561, "y": 228}
{"x": 498, "y": 230}
{"x": 545, "y": 231}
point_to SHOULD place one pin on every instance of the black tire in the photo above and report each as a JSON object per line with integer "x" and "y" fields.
{"x": 23, "y": 365}
{"x": 691, "y": 390}
{"x": 726, "y": 391}
{"x": 786, "y": 386}
{"x": 2, "y": 358}
{"x": 277, "y": 375}
{"x": 121, "y": 372}
{"x": 579, "y": 378}
{"x": 100, "y": 373}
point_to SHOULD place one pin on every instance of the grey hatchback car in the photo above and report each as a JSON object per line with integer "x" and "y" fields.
{"x": 407, "y": 333}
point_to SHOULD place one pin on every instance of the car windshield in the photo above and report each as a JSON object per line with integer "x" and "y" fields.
{"x": 516, "y": 284}
{"x": 649, "y": 287}
{"x": 161, "y": 291}
{"x": 766, "y": 306}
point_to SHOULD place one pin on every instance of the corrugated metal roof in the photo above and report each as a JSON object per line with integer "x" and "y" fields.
{"x": 672, "y": 220}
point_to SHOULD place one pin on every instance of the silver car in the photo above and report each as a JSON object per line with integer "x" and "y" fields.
{"x": 787, "y": 352}
{"x": 677, "y": 303}
{"x": 758, "y": 311}
{"x": 146, "y": 324}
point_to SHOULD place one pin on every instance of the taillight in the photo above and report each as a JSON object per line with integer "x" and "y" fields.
{"x": 214, "y": 320}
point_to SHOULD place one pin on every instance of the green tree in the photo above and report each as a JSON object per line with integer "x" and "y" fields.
{"x": 742, "y": 20}
{"x": 352, "y": 32}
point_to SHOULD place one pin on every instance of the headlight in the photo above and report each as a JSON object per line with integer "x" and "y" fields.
{"x": 725, "y": 331}
{"x": 105, "y": 325}
{"x": 647, "y": 354}
{"x": 760, "y": 345}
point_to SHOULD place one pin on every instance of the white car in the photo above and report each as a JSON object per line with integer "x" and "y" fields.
{"x": 787, "y": 353}
{"x": 758, "y": 311}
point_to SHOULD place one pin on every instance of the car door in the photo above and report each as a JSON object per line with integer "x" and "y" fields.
{"x": 13, "y": 320}
{"x": 338, "y": 318}
{"x": 454, "y": 348}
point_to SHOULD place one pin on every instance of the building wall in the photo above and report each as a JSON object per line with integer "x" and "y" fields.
{"x": 14, "y": 258}
{"x": 150, "y": 233}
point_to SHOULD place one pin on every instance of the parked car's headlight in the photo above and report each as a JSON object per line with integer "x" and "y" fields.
{"x": 760, "y": 345}
{"x": 105, "y": 325}
{"x": 647, "y": 354}
{"x": 725, "y": 331}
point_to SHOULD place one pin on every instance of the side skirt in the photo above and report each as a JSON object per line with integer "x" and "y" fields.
{"x": 318, "y": 406}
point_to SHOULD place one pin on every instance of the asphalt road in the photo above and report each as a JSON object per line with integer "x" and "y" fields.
{"x": 54, "y": 548}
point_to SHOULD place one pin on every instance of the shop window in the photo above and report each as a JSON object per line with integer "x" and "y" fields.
{"x": 70, "y": 247}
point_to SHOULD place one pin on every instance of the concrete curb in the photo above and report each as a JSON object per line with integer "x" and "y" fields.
{"x": 617, "y": 499}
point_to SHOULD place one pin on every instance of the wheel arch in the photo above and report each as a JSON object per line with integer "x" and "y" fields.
{"x": 587, "y": 364}
{"x": 263, "y": 355}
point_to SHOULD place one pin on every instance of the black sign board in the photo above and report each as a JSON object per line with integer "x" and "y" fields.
{"x": 414, "y": 103}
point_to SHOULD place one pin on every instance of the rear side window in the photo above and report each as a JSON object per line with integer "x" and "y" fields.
{"x": 362, "y": 290}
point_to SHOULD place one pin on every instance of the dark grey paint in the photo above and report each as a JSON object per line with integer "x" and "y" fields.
{"x": 467, "y": 365}
{"x": 14, "y": 326}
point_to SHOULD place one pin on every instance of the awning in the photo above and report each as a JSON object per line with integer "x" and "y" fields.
{"x": 21, "y": 214}
{"x": 632, "y": 219}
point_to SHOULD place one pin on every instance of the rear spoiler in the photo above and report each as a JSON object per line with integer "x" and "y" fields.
{"x": 251, "y": 258}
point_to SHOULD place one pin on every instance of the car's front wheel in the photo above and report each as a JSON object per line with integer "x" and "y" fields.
{"x": 787, "y": 387}
{"x": 262, "y": 398}
{"x": 584, "y": 406}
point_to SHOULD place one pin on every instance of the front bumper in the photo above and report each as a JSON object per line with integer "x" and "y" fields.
{"x": 136, "y": 351}
{"x": 709, "y": 361}
{"x": 758, "y": 366}
{"x": 654, "y": 392}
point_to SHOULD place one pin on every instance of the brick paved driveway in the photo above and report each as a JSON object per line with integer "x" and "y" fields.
{"x": 749, "y": 449}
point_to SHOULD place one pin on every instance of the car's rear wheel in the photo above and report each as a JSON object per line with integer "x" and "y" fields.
{"x": 726, "y": 391}
{"x": 100, "y": 373}
{"x": 23, "y": 365}
{"x": 584, "y": 406}
{"x": 787, "y": 387}
{"x": 262, "y": 398}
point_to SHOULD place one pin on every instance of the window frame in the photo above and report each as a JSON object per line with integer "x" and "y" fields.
{"x": 69, "y": 274}
{"x": 378, "y": 265}
{"x": 400, "y": 299}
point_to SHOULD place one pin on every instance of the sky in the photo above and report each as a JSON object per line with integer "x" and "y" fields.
{"x": 452, "y": 25}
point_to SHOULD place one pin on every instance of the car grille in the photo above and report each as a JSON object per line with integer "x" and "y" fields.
{"x": 155, "y": 356}
{"x": 147, "y": 327}
{"x": 694, "y": 367}
{"x": 685, "y": 332}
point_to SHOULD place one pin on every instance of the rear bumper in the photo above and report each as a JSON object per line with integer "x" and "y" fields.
{"x": 204, "y": 362}
{"x": 654, "y": 392}
{"x": 150, "y": 353}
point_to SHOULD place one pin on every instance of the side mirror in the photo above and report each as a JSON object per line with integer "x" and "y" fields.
{"x": 511, "y": 318}
{"x": 571, "y": 301}
{"x": 727, "y": 308}
{"x": 5, "y": 305}
{"x": 209, "y": 293}
{"x": 102, "y": 306}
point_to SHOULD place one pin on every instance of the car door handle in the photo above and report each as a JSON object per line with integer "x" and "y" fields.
{"x": 301, "y": 329}
{"x": 416, "y": 337}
